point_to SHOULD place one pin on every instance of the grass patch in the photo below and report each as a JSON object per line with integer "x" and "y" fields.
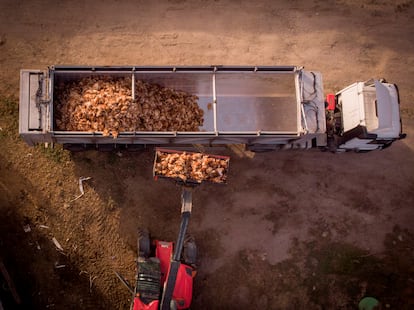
{"x": 8, "y": 107}
{"x": 344, "y": 259}
{"x": 55, "y": 153}
{"x": 349, "y": 273}
{"x": 9, "y": 117}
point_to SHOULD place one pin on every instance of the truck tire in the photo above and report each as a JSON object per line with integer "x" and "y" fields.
{"x": 190, "y": 251}
{"x": 143, "y": 243}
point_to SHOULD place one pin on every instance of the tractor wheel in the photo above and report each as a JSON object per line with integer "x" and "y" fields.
{"x": 190, "y": 251}
{"x": 144, "y": 243}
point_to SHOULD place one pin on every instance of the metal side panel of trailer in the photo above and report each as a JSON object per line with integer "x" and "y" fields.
{"x": 253, "y": 105}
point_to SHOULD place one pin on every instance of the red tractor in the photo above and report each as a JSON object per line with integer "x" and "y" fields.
{"x": 165, "y": 271}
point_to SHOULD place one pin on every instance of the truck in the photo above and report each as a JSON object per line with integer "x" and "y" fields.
{"x": 262, "y": 107}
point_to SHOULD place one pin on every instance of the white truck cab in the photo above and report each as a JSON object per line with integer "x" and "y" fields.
{"x": 370, "y": 115}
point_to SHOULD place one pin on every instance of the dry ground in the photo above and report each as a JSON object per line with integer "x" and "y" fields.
{"x": 291, "y": 230}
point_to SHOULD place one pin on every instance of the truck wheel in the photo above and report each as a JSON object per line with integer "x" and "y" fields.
{"x": 190, "y": 251}
{"x": 144, "y": 244}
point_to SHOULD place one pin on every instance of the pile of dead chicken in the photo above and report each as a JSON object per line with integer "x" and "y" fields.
{"x": 105, "y": 104}
{"x": 195, "y": 167}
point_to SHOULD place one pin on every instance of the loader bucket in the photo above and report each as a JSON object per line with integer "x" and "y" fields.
{"x": 190, "y": 167}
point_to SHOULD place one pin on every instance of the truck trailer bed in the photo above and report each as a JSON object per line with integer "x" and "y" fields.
{"x": 254, "y": 105}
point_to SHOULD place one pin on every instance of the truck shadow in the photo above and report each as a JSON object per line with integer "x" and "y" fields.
{"x": 303, "y": 194}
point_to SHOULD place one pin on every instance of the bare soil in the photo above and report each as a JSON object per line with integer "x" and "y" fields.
{"x": 290, "y": 230}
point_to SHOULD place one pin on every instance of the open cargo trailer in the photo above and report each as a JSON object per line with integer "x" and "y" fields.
{"x": 263, "y": 107}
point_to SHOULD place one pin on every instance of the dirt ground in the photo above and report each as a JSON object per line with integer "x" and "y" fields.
{"x": 290, "y": 230}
